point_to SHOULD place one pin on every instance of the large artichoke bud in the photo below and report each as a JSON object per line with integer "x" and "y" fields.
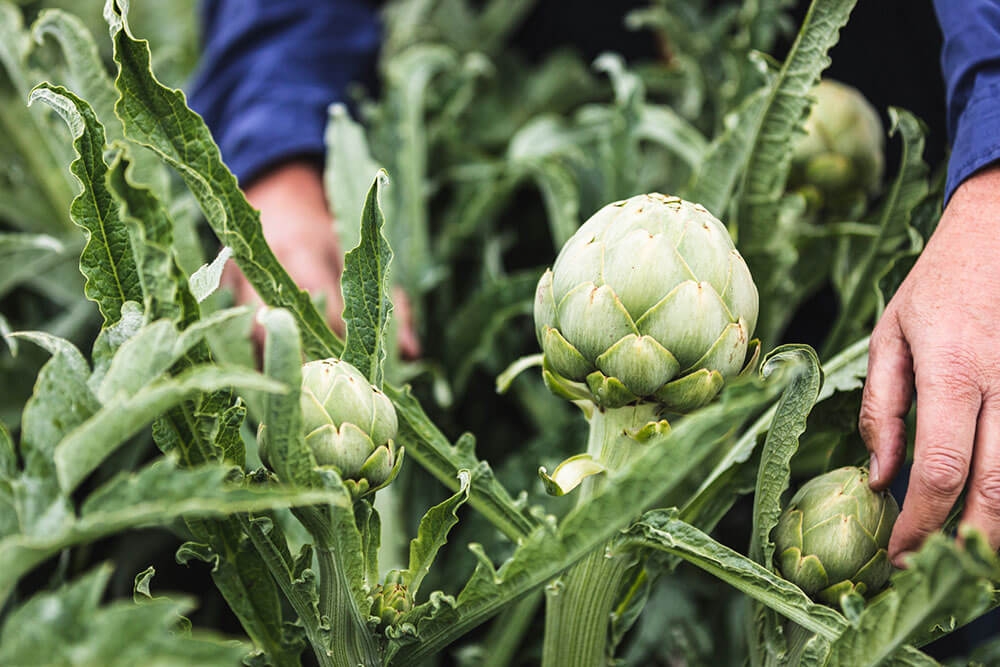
{"x": 348, "y": 424}
{"x": 649, "y": 300}
{"x": 839, "y": 161}
{"x": 832, "y": 537}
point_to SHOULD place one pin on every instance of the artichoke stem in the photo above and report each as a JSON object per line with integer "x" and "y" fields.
{"x": 351, "y": 642}
{"x": 580, "y": 604}
{"x": 610, "y": 442}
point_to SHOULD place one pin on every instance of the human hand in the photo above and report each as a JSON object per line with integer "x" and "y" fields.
{"x": 938, "y": 337}
{"x": 300, "y": 230}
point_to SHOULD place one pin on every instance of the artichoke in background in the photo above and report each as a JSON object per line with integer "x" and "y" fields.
{"x": 832, "y": 537}
{"x": 348, "y": 424}
{"x": 839, "y": 162}
{"x": 649, "y": 301}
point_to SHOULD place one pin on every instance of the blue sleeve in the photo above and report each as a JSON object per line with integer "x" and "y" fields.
{"x": 271, "y": 68}
{"x": 970, "y": 61}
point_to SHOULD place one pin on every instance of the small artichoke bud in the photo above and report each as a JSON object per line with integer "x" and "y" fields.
{"x": 832, "y": 537}
{"x": 648, "y": 301}
{"x": 349, "y": 425}
{"x": 841, "y": 157}
{"x": 391, "y": 600}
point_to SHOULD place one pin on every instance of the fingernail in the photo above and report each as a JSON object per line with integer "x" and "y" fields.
{"x": 873, "y": 468}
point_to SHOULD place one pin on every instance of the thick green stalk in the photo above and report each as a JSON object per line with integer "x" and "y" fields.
{"x": 351, "y": 643}
{"x": 580, "y": 603}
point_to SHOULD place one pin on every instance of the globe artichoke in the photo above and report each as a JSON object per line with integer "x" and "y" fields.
{"x": 348, "y": 424}
{"x": 839, "y": 161}
{"x": 832, "y": 537}
{"x": 647, "y": 301}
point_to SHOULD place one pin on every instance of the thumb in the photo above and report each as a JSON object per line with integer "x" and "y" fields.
{"x": 886, "y": 400}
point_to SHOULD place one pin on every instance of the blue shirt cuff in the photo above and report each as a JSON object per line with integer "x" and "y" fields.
{"x": 270, "y": 70}
{"x": 976, "y": 143}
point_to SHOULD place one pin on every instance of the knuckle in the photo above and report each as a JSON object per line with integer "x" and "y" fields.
{"x": 868, "y": 425}
{"x": 986, "y": 487}
{"x": 943, "y": 473}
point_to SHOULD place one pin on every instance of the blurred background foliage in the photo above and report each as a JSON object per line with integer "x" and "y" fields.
{"x": 503, "y": 125}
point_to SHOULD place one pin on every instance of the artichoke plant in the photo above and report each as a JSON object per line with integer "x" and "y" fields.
{"x": 648, "y": 301}
{"x": 838, "y": 163}
{"x": 348, "y": 424}
{"x": 832, "y": 537}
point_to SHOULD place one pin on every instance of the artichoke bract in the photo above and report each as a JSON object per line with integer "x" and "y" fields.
{"x": 840, "y": 160}
{"x": 348, "y": 424}
{"x": 648, "y": 301}
{"x": 832, "y": 537}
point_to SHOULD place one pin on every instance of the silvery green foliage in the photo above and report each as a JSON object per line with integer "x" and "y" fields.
{"x": 839, "y": 161}
{"x": 649, "y": 300}
{"x": 832, "y": 538}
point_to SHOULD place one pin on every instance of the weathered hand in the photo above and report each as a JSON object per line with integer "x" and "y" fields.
{"x": 938, "y": 336}
{"x": 300, "y": 230}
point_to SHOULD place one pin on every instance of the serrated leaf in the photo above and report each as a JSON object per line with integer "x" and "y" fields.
{"x": 664, "y": 461}
{"x": 425, "y": 443}
{"x": 158, "y": 118}
{"x": 365, "y": 284}
{"x": 81, "y": 451}
{"x": 68, "y": 626}
{"x": 782, "y": 440}
{"x": 60, "y": 402}
{"x": 107, "y": 260}
{"x": 857, "y": 281}
{"x": 156, "y": 495}
{"x": 842, "y": 373}
{"x": 774, "y": 472}
{"x": 86, "y": 74}
{"x": 296, "y": 581}
{"x": 152, "y": 350}
{"x": 712, "y": 184}
{"x": 285, "y": 447}
{"x": 349, "y": 172}
{"x": 782, "y": 116}
{"x": 662, "y": 530}
{"x": 433, "y": 534}
{"x": 943, "y": 582}
{"x": 406, "y": 80}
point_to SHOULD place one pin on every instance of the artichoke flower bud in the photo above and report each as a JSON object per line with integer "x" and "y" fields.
{"x": 648, "y": 301}
{"x": 391, "y": 600}
{"x": 832, "y": 538}
{"x": 348, "y": 424}
{"x": 841, "y": 156}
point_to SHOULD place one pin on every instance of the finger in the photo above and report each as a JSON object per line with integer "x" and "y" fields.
{"x": 982, "y": 505}
{"x": 946, "y": 430}
{"x": 406, "y": 333}
{"x": 886, "y": 401}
